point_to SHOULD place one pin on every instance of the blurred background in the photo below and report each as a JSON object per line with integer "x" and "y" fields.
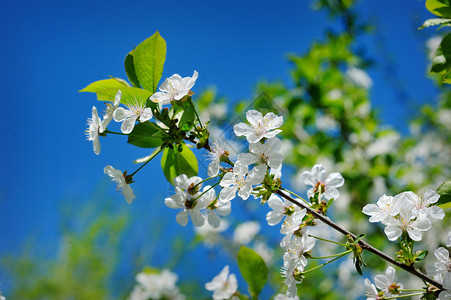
{"x": 350, "y": 78}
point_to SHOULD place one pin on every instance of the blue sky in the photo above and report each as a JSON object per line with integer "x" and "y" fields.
{"x": 51, "y": 49}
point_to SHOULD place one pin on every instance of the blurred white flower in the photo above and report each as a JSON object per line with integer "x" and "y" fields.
{"x": 385, "y": 144}
{"x": 94, "y": 128}
{"x": 280, "y": 208}
{"x": 245, "y": 232}
{"x": 186, "y": 192}
{"x": 174, "y": 88}
{"x": 260, "y": 127}
{"x": 424, "y": 205}
{"x": 317, "y": 179}
{"x": 156, "y": 286}
{"x": 285, "y": 297}
{"x": 120, "y": 179}
{"x": 359, "y": 77}
{"x": 223, "y": 285}
{"x": 137, "y": 110}
{"x": 441, "y": 267}
{"x": 371, "y": 291}
{"x": 211, "y": 236}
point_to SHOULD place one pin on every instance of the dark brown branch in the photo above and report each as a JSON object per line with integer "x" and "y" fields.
{"x": 363, "y": 244}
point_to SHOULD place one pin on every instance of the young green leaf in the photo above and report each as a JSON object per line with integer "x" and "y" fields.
{"x": 130, "y": 69}
{"x": 146, "y": 135}
{"x": 444, "y": 191}
{"x": 175, "y": 163}
{"x": 106, "y": 90}
{"x": 253, "y": 269}
{"x": 148, "y": 58}
{"x": 441, "y": 8}
{"x": 442, "y": 57}
{"x": 434, "y": 22}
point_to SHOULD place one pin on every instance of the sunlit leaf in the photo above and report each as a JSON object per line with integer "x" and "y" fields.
{"x": 253, "y": 269}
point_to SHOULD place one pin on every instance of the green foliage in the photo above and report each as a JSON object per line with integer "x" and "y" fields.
{"x": 444, "y": 191}
{"x": 441, "y": 8}
{"x": 106, "y": 90}
{"x": 148, "y": 58}
{"x": 129, "y": 65}
{"x": 434, "y": 22}
{"x": 177, "y": 161}
{"x": 146, "y": 135}
{"x": 253, "y": 269}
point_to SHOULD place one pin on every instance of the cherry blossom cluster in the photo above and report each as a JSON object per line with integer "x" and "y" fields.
{"x": 441, "y": 270}
{"x": 156, "y": 286}
{"x": 406, "y": 212}
{"x": 386, "y": 286}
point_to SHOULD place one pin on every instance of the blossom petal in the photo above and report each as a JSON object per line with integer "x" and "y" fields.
{"x": 227, "y": 194}
{"x": 197, "y": 218}
{"x": 128, "y": 124}
{"x": 96, "y": 145}
{"x": 254, "y": 117}
{"x": 247, "y": 158}
{"x": 331, "y": 193}
{"x": 182, "y": 218}
{"x": 213, "y": 219}
{"x": 120, "y": 114}
{"x": 334, "y": 180}
{"x": 213, "y": 168}
{"x": 241, "y": 129}
{"x": 274, "y": 217}
{"x": 146, "y": 115}
{"x": 392, "y": 232}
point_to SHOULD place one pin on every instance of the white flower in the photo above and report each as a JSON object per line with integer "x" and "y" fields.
{"x": 385, "y": 207}
{"x": 290, "y": 225}
{"x": 298, "y": 246}
{"x": 424, "y": 206}
{"x": 156, "y": 286}
{"x": 289, "y": 269}
{"x": 317, "y": 179}
{"x": 261, "y": 127}
{"x": 359, "y": 77}
{"x": 214, "y": 207}
{"x": 110, "y": 109}
{"x": 279, "y": 209}
{"x": 223, "y": 285}
{"x": 406, "y": 221}
{"x": 217, "y": 151}
{"x": 285, "y": 297}
{"x": 94, "y": 128}
{"x": 370, "y": 291}
{"x": 387, "y": 282}
{"x": 121, "y": 182}
{"x": 186, "y": 192}
{"x": 266, "y": 154}
{"x": 211, "y": 236}
{"x": 136, "y": 111}
{"x": 174, "y": 88}
{"x": 244, "y": 233}
{"x": 241, "y": 181}
{"x": 441, "y": 267}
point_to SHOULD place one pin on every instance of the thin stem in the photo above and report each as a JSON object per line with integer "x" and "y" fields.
{"x": 206, "y": 179}
{"x": 195, "y": 112}
{"x": 404, "y": 296}
{"x": 292, "y": 193}
{"x": 330, "y": 256}
{"x": 206, "y": 191}
{"x": 325, "y": 240}
{"x": 326, "y": 263}
{"x": 113, "y": 132}
{"x": 363, "y": 244}
{"x": 146, "y": 163}
{"x": 411, "y": 290}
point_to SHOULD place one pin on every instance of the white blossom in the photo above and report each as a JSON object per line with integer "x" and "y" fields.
{"x": 217, "y": 151}
{"x": 156, "y": 286}
{"x": 298, "y": 246}
{"x": 137, "y": 110}
{"x": 424, "y": 205}
{"x": 289, "y": 269}
{"x": 245, "y": 232}
{"x": 266, "y": 154}
{"x": 260, "y": 127}
{"x": 223, "y": 285}
{"x": 186, "y": 192}
{"x": 94, "y": 128}
{"x": 290, "y": 225}
{"x": 280, "y": 208}
{"x": 359, "y": 77}
{"x": 214, "y": 207}
{"x": 211, "y": 236}
{"x": 110, "y": 109}
{"x": 241, "y": 181}
{"x": 371, "y": 291}
{"x": 406, "y": 221}
{"x": 120, "y": 179}
{"x": 387, "y": 283}
{"x": 174, "y": 88}
{"x": 441, "y": 267}
{"x": 385, "y": 207}
{"x": 317, "y": 179}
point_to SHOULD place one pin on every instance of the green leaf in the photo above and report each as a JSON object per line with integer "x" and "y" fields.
{"x": 146, "y": 135}
{"x": 149, "y": 57}
{"x": 188, "y": 115}
{"x": 441, "y": 8}
{"x": 175, "y": 163}
{"x": 434, "y": 22}
{"x": 130, "y": 69}
{"x": 253, "y": 269}
{"x": 106, "y": 90}
{"x": 444, "y": 191}
{"x": 442, "y": 57}
{"x": 420, "y": 255}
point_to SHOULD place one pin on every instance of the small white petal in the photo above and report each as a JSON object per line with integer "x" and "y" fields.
{"x": 182, "y": 218}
